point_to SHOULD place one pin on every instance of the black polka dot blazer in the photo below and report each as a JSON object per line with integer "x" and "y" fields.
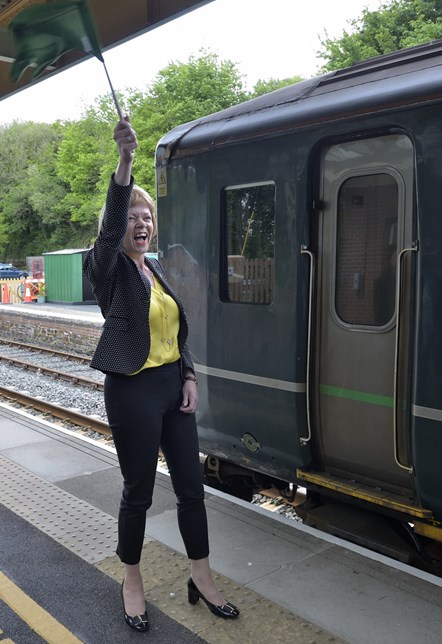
{"x": 123, "y": 295}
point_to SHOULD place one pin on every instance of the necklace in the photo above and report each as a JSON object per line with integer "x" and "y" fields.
{"x": 164, "y": 323}
{"x": 148, "y": 273}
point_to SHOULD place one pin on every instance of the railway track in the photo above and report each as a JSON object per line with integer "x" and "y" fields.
{"x": 37, "y": 391}
{"x": 57, "y": 411}
{"x": 38, "y": 349}
{"x": 13, "y": 359}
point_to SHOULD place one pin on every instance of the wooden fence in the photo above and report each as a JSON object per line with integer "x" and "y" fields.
{"x": 250, "y": 280}
{"x": 15, "y": 290}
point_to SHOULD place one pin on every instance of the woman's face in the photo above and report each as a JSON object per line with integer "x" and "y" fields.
{"x": 139, "y": 231}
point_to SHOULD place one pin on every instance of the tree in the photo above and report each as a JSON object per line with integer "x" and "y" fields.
{"x": 82, "y": 161}
{"x": 54, "y": 178}
{"x": 265, "y": 86}
{"x": 181, "y": 93}
{"x": 396, "y": 25}
{"x": 29, "y": 187}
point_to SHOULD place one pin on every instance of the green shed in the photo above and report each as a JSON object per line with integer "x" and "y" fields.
{"x": 64, "y": 277}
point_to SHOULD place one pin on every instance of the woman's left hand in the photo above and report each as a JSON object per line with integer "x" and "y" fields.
{"x": 190, "y": 397}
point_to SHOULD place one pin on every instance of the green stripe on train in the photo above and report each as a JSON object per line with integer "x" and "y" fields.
{"x": 360, "y": 396}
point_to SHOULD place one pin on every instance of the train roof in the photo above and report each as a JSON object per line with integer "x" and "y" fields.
{"x": 407, "y": 77}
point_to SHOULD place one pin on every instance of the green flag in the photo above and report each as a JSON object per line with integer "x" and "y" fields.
{"x": 43, "y": 33}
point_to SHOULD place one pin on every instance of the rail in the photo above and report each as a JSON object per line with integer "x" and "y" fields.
{"x": 55, "y": 373}
{"x": 40, "y": 349}
{"x": 396, "y": 402}
{"x": 57, "y": 411}
{"x": 304, "y": 440}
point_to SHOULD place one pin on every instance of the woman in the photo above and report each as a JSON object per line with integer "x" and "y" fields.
{"x": 150, "y": 385}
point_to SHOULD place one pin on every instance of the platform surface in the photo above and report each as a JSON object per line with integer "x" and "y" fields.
{"x": 57, "y": 309}
{"x": 59, "y": 498}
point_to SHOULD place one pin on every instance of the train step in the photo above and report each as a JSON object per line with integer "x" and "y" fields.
{"x": 401, "y": 504}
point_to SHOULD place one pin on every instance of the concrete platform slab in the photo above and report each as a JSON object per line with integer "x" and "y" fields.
{"x": 55, "y": 462}
{"x": 47, "y": 451}
{"x": 358, "y": 599}
{"x": 13, "y": 435}
{"x": 103, "y": 490}
{"x": 242, "y": 543}
{"x": 320, "y": 578}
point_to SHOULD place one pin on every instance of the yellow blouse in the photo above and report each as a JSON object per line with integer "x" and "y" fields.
{"x": 164, "y": 323}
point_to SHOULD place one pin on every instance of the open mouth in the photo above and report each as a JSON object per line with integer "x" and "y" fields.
{"x": 141, "y": 237}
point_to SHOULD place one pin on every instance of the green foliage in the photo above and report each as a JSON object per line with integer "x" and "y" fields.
{"x": 265, "y": 86}
{"x": 181, "y": 93}
{"x": 20, "y": 143}
{"x": 82, "y": 160}
{"x": 29, "y": 189}
{"x": 54, "y": 178}
{"x": 185, "y": 91}
{"x": 396, "y": 25}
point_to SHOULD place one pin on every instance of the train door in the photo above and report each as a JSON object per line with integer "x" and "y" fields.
{"x": 365, "y": 255}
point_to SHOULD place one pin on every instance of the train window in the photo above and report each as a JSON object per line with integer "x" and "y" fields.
{"x": 249, "y": 243}
{"x": 366, "y": 250}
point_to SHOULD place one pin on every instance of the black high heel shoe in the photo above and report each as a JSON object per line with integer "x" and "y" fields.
{"x": 228, "y": 611}
{"x": 139, "y": 622}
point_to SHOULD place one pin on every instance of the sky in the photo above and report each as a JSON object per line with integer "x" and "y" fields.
{"x": 265, "y": 38}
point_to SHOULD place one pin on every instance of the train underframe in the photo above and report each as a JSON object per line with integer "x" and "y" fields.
{"x": 379, "y": 529}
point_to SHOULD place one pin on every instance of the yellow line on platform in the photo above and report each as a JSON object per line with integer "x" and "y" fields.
{"x": 34, "y": 615}
{"x": 8, "y": 641}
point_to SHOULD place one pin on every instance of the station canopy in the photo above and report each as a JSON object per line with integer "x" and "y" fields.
{"x": 116, "y": 21}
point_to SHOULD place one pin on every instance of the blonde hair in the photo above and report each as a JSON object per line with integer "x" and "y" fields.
{"x": 138, "y": 197}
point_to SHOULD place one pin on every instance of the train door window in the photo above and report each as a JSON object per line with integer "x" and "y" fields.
{"x": 366, "y": 250}
{"x": 248, "y": 236}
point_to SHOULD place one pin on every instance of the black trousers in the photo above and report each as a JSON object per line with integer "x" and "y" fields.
{"x": 143, "y": 413}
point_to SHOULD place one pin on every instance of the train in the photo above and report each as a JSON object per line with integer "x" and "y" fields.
{"x": 302, "y": 229}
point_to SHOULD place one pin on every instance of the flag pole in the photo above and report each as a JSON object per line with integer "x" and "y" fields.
{"x": 114, "y": 96}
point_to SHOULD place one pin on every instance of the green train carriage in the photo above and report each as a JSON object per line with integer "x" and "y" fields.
{"x": 302, "y": 230}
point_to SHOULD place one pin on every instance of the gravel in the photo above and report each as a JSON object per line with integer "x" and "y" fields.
{"x": 87, "y": 400}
